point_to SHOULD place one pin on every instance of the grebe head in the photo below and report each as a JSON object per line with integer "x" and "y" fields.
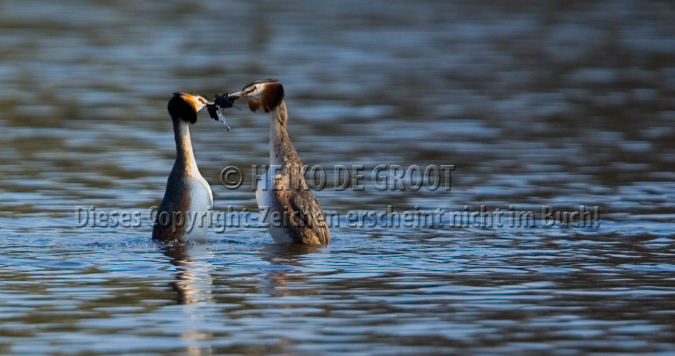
{"x": 262, "y": 94}
{"x": 184, "y": 106}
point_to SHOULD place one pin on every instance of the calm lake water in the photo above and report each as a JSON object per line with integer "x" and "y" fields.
{"x": 559, "y": 104}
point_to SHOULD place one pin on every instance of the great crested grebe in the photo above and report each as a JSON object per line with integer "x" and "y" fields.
{"x": 186, "y": 207}
{"x": 289, "y": 208}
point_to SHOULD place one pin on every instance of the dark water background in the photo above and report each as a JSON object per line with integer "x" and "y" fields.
{"x": 551, "y": 103}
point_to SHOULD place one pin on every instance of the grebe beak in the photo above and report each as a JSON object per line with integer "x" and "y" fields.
{"x": 242, "y": 93}
{"x": 238, "y": 94}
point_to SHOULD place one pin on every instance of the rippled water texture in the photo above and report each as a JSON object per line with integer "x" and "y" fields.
{"x": 555, "y": 103}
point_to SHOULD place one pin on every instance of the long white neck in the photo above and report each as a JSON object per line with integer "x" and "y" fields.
{"x": 184, "y": 155}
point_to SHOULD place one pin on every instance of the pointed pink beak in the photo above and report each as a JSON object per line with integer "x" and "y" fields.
{"x": 238, "y": 94}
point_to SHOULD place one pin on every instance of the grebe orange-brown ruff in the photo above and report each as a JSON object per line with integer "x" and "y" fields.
{"x": 186, "y": 207}
{"x": 289, "y": 208}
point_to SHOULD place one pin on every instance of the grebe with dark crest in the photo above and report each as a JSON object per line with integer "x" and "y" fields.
{"x": 287, "y": 204}
{"x": 185, "y": 211}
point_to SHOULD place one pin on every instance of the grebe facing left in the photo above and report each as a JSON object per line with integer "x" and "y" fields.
{"x": 186, "y": 207}
{"x": 288, "y": 206}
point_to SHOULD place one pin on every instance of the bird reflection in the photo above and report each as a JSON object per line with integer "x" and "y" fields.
{"x": 193, "y": 282}
{"x": 276, "y": 282}
{"x": 193, "y": 286}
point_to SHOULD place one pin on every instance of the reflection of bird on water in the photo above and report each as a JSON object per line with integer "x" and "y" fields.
{"x": 193, "y": 282}
{"x": 187, "y": 200}
{"x": 193, "y": 285}
{"x": 289, "y": 256}
{"x": 290, "y": 208}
